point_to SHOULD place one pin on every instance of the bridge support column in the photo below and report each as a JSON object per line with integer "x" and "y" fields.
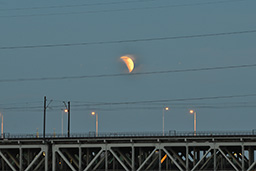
{"x": 159, "y": 160}
{"x": 187, "y": 160}
{"x": 21, "y": 159}
{"x": 80, "y": 158}
{"x": 53, "y": 158}
{"x": 214, "y": 158}
{"x": 243, "y": 157}
{"x": 46, "y": 152}
{"x": 251, "y": 156}
{"x": 133, "y": 158}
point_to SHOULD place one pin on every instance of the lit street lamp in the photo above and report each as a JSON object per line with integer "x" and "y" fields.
{"x": 164, "y": 109}
{"x": 66, "y": 111}
{"x": 93, "y": 113}
{"x": 193, "y": 112}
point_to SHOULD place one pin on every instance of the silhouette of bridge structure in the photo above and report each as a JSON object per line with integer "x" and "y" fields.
{"x": 130, "y": 151}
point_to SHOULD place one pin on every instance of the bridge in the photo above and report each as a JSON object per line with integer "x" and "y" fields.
{"x": 130, "y": 151}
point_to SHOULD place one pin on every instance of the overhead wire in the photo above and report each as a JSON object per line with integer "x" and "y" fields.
{"x": 169, "y": 100}
{"x": 121, "y": 10}
{"x": 158, "y": 108}
{"x": 72, "y": 6}
{"x": 40, "y": 109}
{"x": 112, "y": 106}
{"x": 128, "y": 74}
{"x": 128, "y": 41}
{"x": 147, "y": 101}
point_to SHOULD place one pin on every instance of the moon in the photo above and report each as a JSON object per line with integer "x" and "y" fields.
{"x": 129, "y": 62}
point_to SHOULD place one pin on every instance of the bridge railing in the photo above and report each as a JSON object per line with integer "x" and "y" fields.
{"x": 171, "y": 133}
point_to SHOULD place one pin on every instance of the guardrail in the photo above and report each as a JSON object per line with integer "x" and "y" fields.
{"x": 171, "y": 133}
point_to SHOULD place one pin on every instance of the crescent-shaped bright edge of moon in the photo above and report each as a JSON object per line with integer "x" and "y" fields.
{"x": 129, "y": 62}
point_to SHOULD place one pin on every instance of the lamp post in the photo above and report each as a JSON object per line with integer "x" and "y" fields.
{"x": 97, "y": 125}
{"x": 194, "y": 113}
{"x": 66, "y": 111}
{"x": 164, "y": 109}
{"x": 68, "y": 118}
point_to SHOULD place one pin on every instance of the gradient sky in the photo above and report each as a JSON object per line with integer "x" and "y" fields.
{"x": 60, "y": 24}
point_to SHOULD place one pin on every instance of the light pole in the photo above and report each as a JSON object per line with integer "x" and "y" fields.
{"x": 164, "y": 109}
{"x": 97, "y": 125}
{"x": 66, "y": 111}
{"x": 193, "y": 112}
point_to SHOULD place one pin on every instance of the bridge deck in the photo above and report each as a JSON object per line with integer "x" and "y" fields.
{"x": 130, "y": 152}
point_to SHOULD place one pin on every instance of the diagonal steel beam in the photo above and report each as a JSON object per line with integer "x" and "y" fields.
{"x": 245, "y": 158}
{"x": 151, "y": 154}
{"x": 66, "y": 160}
{"x": 178, "y": 157}
{"x": 174, "y": 161}
{"x": 93, "y": 160}
{"x": 201, "y": 159}
{"x": 13, "y": 159}
{"x": 7, "y": 161}
{"x": 206, "y": 162}
{"x": 156, "y": 157}
{"x": 250, "y": 168}
{"x": 152, "y": 162}
{"x": 39, "y": 164}
{"x": 99, "y": 162}
{"x": 234, "y": 158}
{"x": 114, "y": 154}
{"x": 228, "y": 159}
{"x": 70, "y": 156}
{"x": 125, "y": 159}
{"x": 34, "y": 160}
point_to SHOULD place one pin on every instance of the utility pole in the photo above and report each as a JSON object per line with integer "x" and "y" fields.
{"x": 69, "y": 119}
{"x": 44, "y": 116}
{"x": 45, "y": 107}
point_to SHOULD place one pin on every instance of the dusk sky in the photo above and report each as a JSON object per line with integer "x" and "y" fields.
{"x": 35, "y": 23}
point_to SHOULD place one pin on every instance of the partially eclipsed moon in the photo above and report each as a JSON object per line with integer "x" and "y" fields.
{"x": 129, "y": 62}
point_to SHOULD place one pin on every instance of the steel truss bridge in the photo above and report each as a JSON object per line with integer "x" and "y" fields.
{"x": 134, "y": 151}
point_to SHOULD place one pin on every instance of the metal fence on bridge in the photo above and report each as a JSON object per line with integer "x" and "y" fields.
{"x": 171, "y": 133}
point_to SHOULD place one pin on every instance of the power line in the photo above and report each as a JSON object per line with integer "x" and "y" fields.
{"x": 71, "y": 6}
{"x": 128, "y": 41}
{"x": 135, "y": 108}
{"x": 130, "y": 74}
{"x": 165, "y": 101}
{"x": 169, "y": 100}
{"x": 120, "y": 10}
{"x": 159, "y": 108}
{"x": 161, "y": 104}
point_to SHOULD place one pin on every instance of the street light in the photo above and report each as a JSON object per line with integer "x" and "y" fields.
{"x": 193, "y": 112}
{"x": 66, "y": 111}
{"x": 164, "y": 109}
{"x": 93, "y": 113}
